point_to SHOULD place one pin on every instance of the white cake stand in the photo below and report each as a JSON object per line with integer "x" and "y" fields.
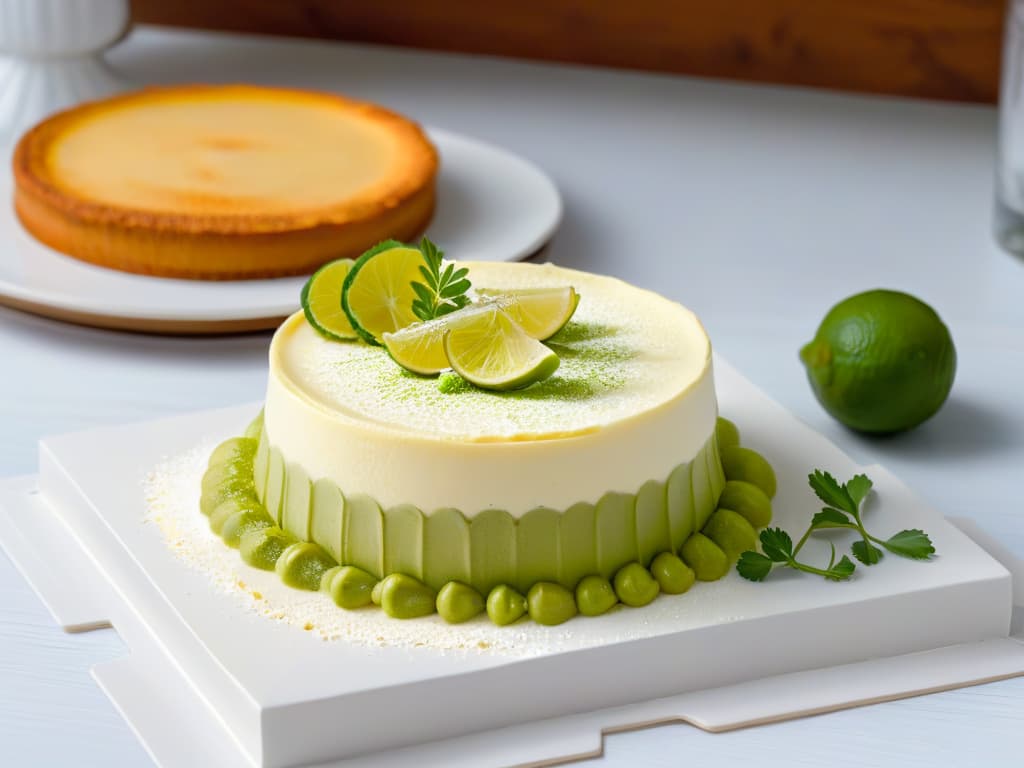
{"x": 51, "y": 56}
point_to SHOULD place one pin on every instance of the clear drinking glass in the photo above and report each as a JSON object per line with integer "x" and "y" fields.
{"x": 1009, "y": 208}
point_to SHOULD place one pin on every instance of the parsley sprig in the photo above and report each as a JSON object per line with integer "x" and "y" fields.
{"x": 843, "y": 511}
{"x": 444, "y": 287}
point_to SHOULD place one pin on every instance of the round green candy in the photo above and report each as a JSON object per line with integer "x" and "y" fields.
{"x": 749, "y": 466}
{"x": 594, "y": 595}
{"x": 230, "y": 471}
{"x": 727, "y": 433}
{"x": 403, "y": 597}
{"x": 348, "y": 586}
{"x": 550, "y": 603}
{"x": 731, "y": 531}
{"x": 635, "y": 586}
{"x": 302, "y": 565}
{"x": 458, "y": 602}
{"x": 505, "y": 605}
{"x": 749, "y": 500}
{"x": 240, "y": 523}
{"x": 672, "y": 574}
{"x": 233, "y": 449}
{"x": 241, "y": 488}
{"x": 255, "y": 427}
{"x": 230, "y": 507}
{"x": 708, "y": 561}
{"x": 261, "y": 548}
{"x": 376, "y": 594}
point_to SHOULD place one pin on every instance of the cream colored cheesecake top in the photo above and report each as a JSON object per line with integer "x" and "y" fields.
{"x": 626, "y": 351}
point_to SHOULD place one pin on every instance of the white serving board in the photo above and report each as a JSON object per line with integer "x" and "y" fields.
{"x": 285, "y": 697}
{"x": 492, "y": 205}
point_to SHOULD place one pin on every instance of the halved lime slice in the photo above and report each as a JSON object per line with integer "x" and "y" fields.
{"x": 541, "y": 312}
{"x": 493, "y": 352}
{"x": 420, "y": 347}
{"x": 321, "y": 300}
{"x": 377, "y": 295}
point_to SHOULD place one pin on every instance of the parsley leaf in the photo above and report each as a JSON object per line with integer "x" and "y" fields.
{"x": 777, "y": 545}
{"x": 830, "y": 518}
{"x": 828, "y": 489}
{"x": 754, "y": 566}
{"x": 842, "y": 570}
{"x": 858, "y": 487}
{"x": 443, "y": 289}
{"x": 866, "y": 552}
{"x": 914, "y": 544}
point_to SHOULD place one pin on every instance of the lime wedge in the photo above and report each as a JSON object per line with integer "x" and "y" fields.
{"x": 493, "y": 352}
{"x": 377, "y": 294}
{"x": 541, "y": 312}
{"x": 321, "y": 300}
{"x": 420, "y": 347}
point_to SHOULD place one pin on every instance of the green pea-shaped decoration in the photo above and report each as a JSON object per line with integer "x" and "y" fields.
{"x": 505, "y": 605}
{"x": 234, "y": 488}
{"x": 595, "y": 595}
{"x": 458, "y": 602}
{"x": 302, "y": 565}
{"x": 376, "y": 594}
{"x": 262, "y": 548}
{"x": 635, "y": 586}
{"x": 403, "y": 597}
{"x": 230, "y": 507}
{"x": 221, "y": 474}
{"x": 233, "y": 449}
{"x": 255, "y": 427}
{"x": 550, "y": 603}
{"x": 348, "y": 586}
{"x": 731, "y": 531}
{"x": 672, "y": 574}
{"x": 727, "y": 433}
{"x": 749, "y": 466}
{"x": 749, "y": 500}
{"x": 708, "y": 561}
{"x": 240, "y": 523}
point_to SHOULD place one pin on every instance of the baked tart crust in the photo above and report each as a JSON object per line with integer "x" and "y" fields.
{"x": 223, "y": 182}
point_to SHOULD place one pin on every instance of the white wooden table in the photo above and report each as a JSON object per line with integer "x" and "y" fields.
{"x": 758, "y": 207}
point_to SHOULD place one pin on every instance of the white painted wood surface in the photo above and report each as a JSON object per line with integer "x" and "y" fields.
{"x": 758, "y": 207}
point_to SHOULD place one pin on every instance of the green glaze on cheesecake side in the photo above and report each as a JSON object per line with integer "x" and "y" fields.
{"x": 492, "y": 547}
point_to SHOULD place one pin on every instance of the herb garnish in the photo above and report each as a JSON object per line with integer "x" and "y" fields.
{"x": 444, "y": 290}
{"x": 843, "y": 511}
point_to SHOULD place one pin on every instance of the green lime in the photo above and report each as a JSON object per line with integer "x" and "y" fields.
{"x": 493, "y": 352}
{"x": 541, "y": 312}
{"x": 881, "y": 361}
{"x": 377, "y": 294}
{"x": 420, "y": 347}
{"x": 321, "y": 300}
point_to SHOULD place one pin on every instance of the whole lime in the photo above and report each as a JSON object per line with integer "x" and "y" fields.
{"x": 881, "y": 361}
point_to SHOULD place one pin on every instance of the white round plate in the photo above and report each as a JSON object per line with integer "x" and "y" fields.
{"x": 491, "y": 206}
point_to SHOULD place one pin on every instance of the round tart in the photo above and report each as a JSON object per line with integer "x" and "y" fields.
{"x": 223, "y": 182}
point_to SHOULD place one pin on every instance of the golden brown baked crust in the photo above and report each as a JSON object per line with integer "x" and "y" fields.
{"x": 223, "y": 246}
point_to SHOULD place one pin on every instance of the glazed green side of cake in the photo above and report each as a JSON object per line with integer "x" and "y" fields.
{"x": 492, "y": 547}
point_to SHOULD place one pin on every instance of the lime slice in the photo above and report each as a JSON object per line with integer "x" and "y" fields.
{"x": 420, "y": 347}
{"x": 321, "y": 300}
{"x": 377, "y": 294}
{"x": 541, "y": 312}
{"x": 493, "y": 352}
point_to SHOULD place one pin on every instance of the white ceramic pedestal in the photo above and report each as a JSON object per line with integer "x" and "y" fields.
{"x": 51, "y": 57}
{"x": 243, "y": 690}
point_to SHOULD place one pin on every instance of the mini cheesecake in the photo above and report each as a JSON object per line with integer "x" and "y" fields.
{"x": 223, "y": 182}
{"x": 611, "y": 461}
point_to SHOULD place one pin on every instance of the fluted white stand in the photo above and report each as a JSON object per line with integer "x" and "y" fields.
{"x": 51, "y": 57}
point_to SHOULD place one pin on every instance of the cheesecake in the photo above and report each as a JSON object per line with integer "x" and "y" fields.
{"x": 223, "y": 182}
{"x": 596, "y": 486}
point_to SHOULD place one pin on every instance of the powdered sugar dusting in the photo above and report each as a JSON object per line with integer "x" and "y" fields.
{"x": 172, "y": 490}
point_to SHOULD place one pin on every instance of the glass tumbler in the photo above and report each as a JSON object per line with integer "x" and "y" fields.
{"x": 1009, "y": 205}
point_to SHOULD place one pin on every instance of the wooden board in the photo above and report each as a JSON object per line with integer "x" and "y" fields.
{"x": 945, "y": 49}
